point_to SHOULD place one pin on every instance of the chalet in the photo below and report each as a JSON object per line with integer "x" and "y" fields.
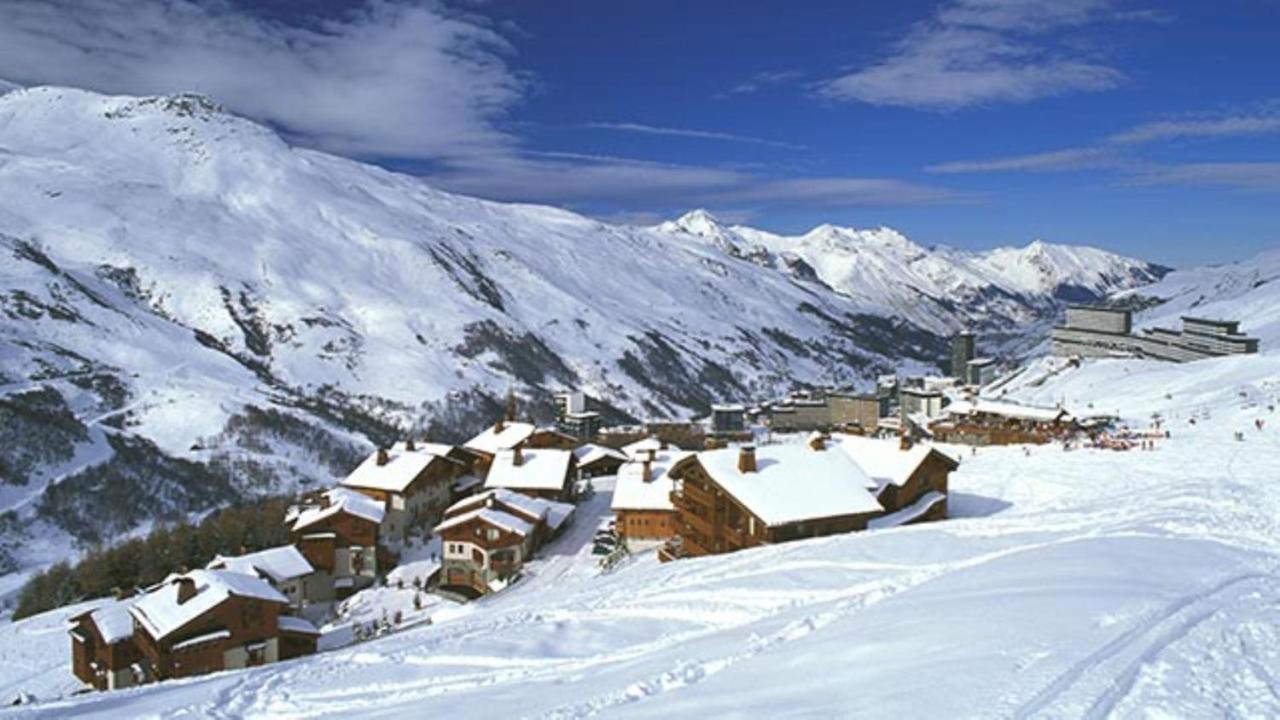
{"x": 598, "y": 460}
{"x": 543, "y": 473}
{"x": 735, "y": 498}
{"x": 910, "y": 479}
{"x": 729, "y": 419}
{"x": 286, "y": 569}
{"x": 210, "y": 620}
{"x": 503, "y": 435}
{"x": 413, "y": 480}
{"x": 103, "y": 653}
{"x": 338, "y": 536}
{"x": 488, "y": 537}
{"x": 642, "y": 506}
{"x": 998, "y": 422}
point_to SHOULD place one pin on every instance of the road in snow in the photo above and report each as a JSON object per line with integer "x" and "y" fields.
{"x": 1071, "y": 584}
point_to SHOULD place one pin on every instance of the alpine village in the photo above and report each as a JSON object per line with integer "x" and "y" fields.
{"x": 461, "y": 522}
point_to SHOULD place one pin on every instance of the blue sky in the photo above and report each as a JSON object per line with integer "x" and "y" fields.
{"x": 1150, "y": 129}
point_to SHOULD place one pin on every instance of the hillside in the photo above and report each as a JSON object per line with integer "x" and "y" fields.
{"x": 192, "y": 310}
{"x": 1081, "y": 584}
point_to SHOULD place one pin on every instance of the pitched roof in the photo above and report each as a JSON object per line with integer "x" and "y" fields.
{"x": 987, "y": 406}
{"x": 341, "y": 500}
{"x": 540, "y": 469}
{"x": 276, "y": 564}
{"x": 291, "y": 623}
{"x": 793, "y": 483}
{"x": 884, "y": 461}
{"x": 632, "y": 492}
{"x": 908, "y": 513}
{"x": 160, "y": 613}
{"x": 492, "y": 440}
{"x": 112, "y": 620}
{"x": 650, "y": 443}
{"x": 591, "y": 452}
{"x": 497, "y": 518}
{"x": 401, "y": 468}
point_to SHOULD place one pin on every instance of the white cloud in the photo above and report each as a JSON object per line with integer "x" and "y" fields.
{"x": 974, "y": 52}
{"x": 762, "y": 80}
{"x": 389, "y": 79}
{"x": 1217, "y": 127}
{"x": 696, "y": 134}
{"x": 1247, "y": 176}
{"x": 1068, "y": 159}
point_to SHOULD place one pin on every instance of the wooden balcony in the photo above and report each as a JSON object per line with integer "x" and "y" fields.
{"x": 692, "y": 492}
{"x": 699, "y": 524}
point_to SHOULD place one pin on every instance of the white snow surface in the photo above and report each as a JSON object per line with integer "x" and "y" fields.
{"x": 540, "y": 469}
{"x": 1088, "y": 583}
{"x": 632, "y": 491}
{"x": 278, "y": 563}
{"x": 833, "y": 483}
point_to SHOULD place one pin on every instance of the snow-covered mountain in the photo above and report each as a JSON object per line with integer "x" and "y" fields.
{"x": 192, "y": 310}
{"x": 941, "y": 289}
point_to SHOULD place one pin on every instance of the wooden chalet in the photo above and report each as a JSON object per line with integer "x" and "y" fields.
{"x": 642, "y": 505}
{"x": 598, "y": 460}
{"x": 210, "y": 620}
{"x": 103, "y": 653}
{"x": 413, "y": 480}
{"x": 286, "y": 569}
{"x": 910, "y": 479}
{"x": 502, "y": 436}
{"x": 544, "y": 473}
{"x": 338, "y": 534}
{"x": 735, "y": 498}
{"x": 488, "y": 537}
{"x": 997, "y": 422}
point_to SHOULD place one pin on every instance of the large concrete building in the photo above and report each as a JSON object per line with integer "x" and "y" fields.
{"x": 963, "y": 349}
{"x": 1096, "y": 331}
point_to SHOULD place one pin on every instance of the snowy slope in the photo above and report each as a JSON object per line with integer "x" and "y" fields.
{"x": 941, "y": 289}
{"x": 1071, "y": 584}
{"x": 1248, "y": 291}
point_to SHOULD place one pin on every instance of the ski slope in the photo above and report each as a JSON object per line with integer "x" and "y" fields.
{"x": 1072, "y": 584}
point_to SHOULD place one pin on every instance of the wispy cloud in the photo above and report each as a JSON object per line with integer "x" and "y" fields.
{"x": 1258, "y": 124}
{"x": 687, "y": 133}
{"x": 389, "y": 78}
{"x": 1068, "y": 159}
{"x": 973, "y": 52}
{"x": 1262, "y": 177}
{"x": 1116, "y": 151}
{"x": 761, "y": 81}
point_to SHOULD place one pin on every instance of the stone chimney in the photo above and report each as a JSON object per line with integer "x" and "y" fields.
{"x": 186, "y": 589}
{"x": 517, "y": 456}
{"x": 747, "y": 459}
{"x": 904, "y": 443}
{"x": 409, "y": 446}
{"x": 500, "y": 426}
{"x": 653, "y": 454}
{"x": 646, "y": 472}
{"x": 662, "y": 443}
{"x": 383, "y": 459}
{"x": 817, "y": 441}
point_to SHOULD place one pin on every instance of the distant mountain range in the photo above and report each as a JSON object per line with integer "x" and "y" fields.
{"x": 191, "y": 310}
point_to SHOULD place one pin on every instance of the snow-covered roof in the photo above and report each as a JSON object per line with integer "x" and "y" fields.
{"x": 591, "y": 452}
{"x": 491, "y": 516}
{"x": 161, "y": 614}
{"x": 276, "y": 564}
{"x": 884, "y": 461}
{"x": 534, "y": 509}
{"x": 728, "y": 408}
{"x": 425, "y": 448}
{"x": 908, "y": 513}
{"x": 650, "y": 443}
{"x": 540, "y": 469}
{"x": 113, "y": 620}
{"x": 632, "y": 492}
{"x": 793, "y": 483}
{"x": 222, "y": 634}
{"x": 291, "y": 623}
{"x": 395, "y": 475}
{"x": 466, "y": 482}
{"x": 1005, "y": 408}
{"x": 341, "y": 500}
{"x": 558, "y": 513}
{"x": 492, "y": 439}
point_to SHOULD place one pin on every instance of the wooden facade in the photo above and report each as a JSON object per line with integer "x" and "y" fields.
{"x": 101, "y": 664}
{"x": 478, "y": 552}
{"x": 238, "y": 632}
{"x": 711, "y": 521}
{"x": 645, "y": 526}
{"x": 930, "y": 476}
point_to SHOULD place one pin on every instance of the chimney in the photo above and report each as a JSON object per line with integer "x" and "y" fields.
{"x": 747, "y": 459}
{"x": 382, "y": 457}
{"x": 186, "y": 589}
{"x": 653, "y": 454}
{"x": 817, "y": 441}
{"x": 517, "y": 457}
{"x": 662, "y": 444}
{"x": 647, "y": 472}
{"x": 500, "y": 426}
{"x": 409, "y": 446}
{"x": 904, "y": 443}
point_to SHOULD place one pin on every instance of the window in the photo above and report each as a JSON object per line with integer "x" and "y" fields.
{"x": 492, "y": 534}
